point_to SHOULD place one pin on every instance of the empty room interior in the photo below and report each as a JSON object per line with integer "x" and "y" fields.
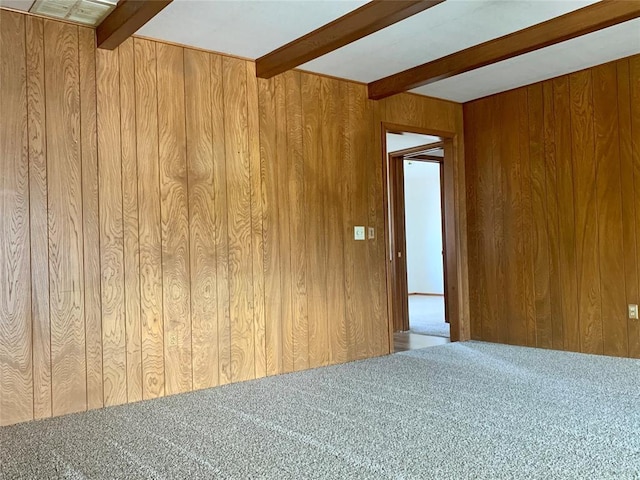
{"x": 319, "y": 239}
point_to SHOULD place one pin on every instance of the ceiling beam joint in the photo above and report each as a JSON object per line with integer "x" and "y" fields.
{"x": 592, "y": 18}
{"x": 359, "y": 23}
{"x": 125, "y": 20}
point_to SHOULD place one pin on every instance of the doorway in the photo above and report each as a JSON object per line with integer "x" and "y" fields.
{"x": 420, "y": 305}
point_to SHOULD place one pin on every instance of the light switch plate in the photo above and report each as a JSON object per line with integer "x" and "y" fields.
{"x": 372, "y": 233}
{"x": 358, "y": 233}
{"x": 633, "y": 312}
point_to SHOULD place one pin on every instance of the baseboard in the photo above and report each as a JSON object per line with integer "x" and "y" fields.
{"x": 427, "y": 294}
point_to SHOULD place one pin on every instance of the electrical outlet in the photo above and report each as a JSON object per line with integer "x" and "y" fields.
{"x": 358, "y": 233}
{"x": 633, "y": 312}
{"x": 173, "y": 339}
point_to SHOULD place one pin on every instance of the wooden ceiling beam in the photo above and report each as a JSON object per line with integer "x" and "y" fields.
{"x": 363, "y": 21}
{"x": 418, "y": 149}
{"x": 592, "y": 18}
{"x": 125, "y": 20}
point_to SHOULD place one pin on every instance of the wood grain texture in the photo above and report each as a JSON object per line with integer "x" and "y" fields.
{"x": 130, "y": 224}
{"x": 578, "y": 206}
{"x": 335, "y": 228}
{"x": 204, "y": 320}
{"x": 221, "y": 219}
{"x": 90, "y": 218}
{"x": 540, "y": 227}
{"x": 513, "y": 225}
{"x": 64, "y": 176}
{"x": 609, "y": 201}
{"x": 527, "y": 266}
{"x": 472, "y": 120}
{"x": 257, "y": 252}
{"x": 555, "y": 292}
{"x": 355, "y": 210}
{"x": 586, "y": 225}
{"x": 38, "y": 203}
{"x": 316, "y": 236}
{"x": 175, "y": 218}
{"x": 634, "y": 94}
{"x": 239, "y": 220}
{"x": 114, "y": 341}
{"x": 566, "y": 250}
{"x": 271, "y": 266}
{"x": 282, "y": 173}
{"x": 149, "y": 224}
{"x": 184, "y": 223}
{"x": 16, "y": 362}
{"x": 297, "y": 234}
{"x": 377, "y": 332}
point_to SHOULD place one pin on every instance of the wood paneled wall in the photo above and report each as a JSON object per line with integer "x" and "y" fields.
{"x": 170, "y": 223}
{"x": 553, "y": 174}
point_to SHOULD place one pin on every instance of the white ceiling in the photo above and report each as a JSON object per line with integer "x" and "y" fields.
{"x": 246, "y": 28}
{"x": 17, "y": 4}
{"x": 252, "y": 28}
{"x": 397, "y": 142}
{"x": 446, "y": 28}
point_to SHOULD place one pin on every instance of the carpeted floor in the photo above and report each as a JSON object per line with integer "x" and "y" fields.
{"x": 426, "y": 316}
{"x": 458, "y": 411}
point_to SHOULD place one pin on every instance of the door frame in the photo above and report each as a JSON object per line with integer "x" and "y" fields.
{"x": 398, "y": 232}
{"x": 456, "y": 295}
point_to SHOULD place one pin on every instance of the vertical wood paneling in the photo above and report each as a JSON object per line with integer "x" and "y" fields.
{"x": 64, "y": 176}
{"x": 16, "y": 367}
{"x": 355, "y": 209}
{"x": 485, "y": 202}
{"x": 471, "y": 125}
{"x": 510, "y": 146}
{"x": 550, "y": 154}
{"x": 268, "y": 154}
{"x": 221, "y": 219}
{"x": 130, "y": 222}
{"x": 149, "y": 231}
{"x": 609, "y": 201}
{"x": 282, "y": 173}
{"x": 38, "y": 201}
{"x": 377, "y": 325}
{"x": 316, "y": 235}
{"x": 333, "y": 197}
{"x": 171, "y": 222}
{"x": 528, "y": 278}
{"x": 111, "y": 230}
{"x": 627, "y": 189}
{"x": 574, "y": 217}
{"x": 566, "y": 215}
{"x": 365, "y": 331}
{"x": 204, "y": 320}
{"x": 499, "y": 158}
{"x": 175, "y": 218}
{"x": 90, "y": 217}
{"x": 257, "y": 253}
{"x": 539, "y": 208}
{"x": 239, "y": 220}
{"x": 297, "y": 202}
{"x": 586, "y": 221}
{"x": 634, "y": 92}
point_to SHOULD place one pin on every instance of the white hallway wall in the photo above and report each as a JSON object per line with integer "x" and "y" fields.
{"x": 424, "y": 228}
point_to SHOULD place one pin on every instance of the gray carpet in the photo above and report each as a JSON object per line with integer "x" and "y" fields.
{"x": 471, "y": 410}
{"x": 426, "y": 316}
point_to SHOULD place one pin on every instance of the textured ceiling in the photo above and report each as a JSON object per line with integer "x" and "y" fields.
{"x": 252, "y": 28}
{"x": 397, "y": 142}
